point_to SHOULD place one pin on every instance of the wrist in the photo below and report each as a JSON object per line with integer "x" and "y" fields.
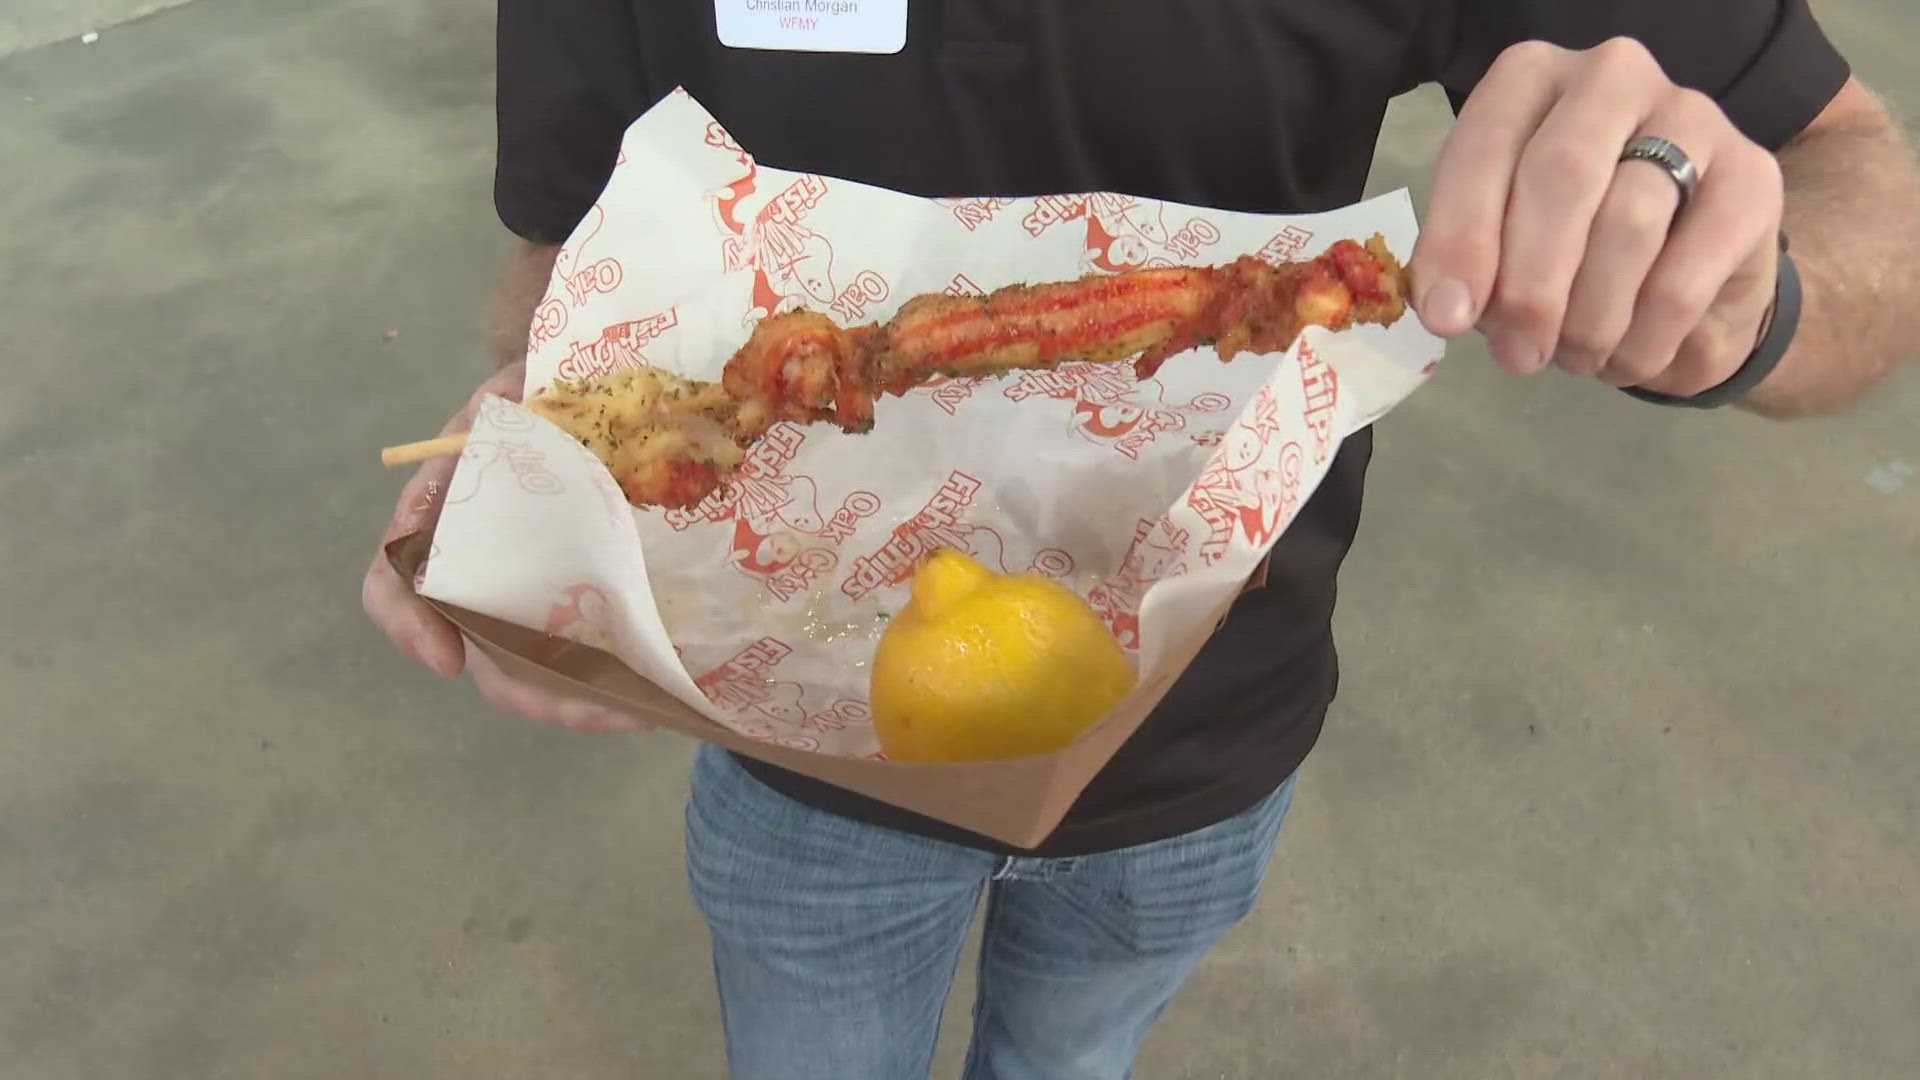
{"x": 505, "y": 355}
{"x": 524, "y": 277}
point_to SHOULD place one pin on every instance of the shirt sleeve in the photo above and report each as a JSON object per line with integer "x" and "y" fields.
{"x": 1768, "y": 63}
{"x": 569, "y": 84}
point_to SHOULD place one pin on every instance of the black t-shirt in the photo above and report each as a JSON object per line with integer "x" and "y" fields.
{"x": 1259, "y": 105}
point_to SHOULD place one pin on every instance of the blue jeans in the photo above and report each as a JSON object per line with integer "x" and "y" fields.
{"x": 835, "y": 942}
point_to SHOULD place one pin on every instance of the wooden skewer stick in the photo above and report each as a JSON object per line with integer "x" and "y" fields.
{"x": 410, "y": 453}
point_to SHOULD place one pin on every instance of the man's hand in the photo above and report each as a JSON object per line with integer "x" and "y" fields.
{"x": 1538, "y": 234}
{"x": 422, "y": 634}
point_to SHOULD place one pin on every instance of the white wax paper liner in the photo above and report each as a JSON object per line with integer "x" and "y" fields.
{"x": 760, "y": 608}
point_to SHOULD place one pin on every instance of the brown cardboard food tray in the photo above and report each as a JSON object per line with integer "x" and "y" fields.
{"x": 1016, "y": 802}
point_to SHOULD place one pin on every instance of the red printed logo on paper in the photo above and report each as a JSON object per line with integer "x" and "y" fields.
{"x": 582, "y": 613}
{"x": 1278, "y": 497}
{"x": 481, "y": 456}
{"x": 1240, "y": 497}
{"x": 580, "y": 276}
{"x": 783, "y": 536}
{"x": 1286, "y": 245}
{"x": 1321, "y": 385}
{"x": 746, "y": 680}
{"x": 503, "y": 415}
{"x": 1130, "y": 234}
{"x": 947, "y": 392}
{"x": 766, "y": 231}
{"x": 726, "y": 201}
{"x": 865, "y": 289}
{"x": 1158, "y": 552}
{"x": 770, "y": 708}
{"x": 1189, "y": 240}
{"x": 782, "y": 713}
{"x": 549, "y": 319}
{"x": 529, "y": 467}
{"x": 842, "y": 714}
{"x": 619, "y": 346}
{"x": 940, "y": 524}
{"x": 1051, "y": 210}
{"x": 973, "y": 213}
{"x": 1111, "y": 407}
{"x": 1123, "y": 233}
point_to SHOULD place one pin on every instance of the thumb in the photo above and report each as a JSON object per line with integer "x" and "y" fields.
{"x": 421, "y": 497}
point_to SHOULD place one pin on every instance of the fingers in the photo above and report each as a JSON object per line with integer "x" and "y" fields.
{"x": 1628, "y": 233}
{"x": 509, "y": 695}
{"x": 414, "y": 627}
{"x": 1726, "y": 235}
{"x": 421, "y": 498}
{"x": 1542, "y": 237}
{"x": 509, "y": 382}
{"x": 1564, "y": 175}
{"x": 408, "y": 621}
{"x": 1630, "y": 230}
{"x": 1722, "y": 341}
{"x": 1457, "y": 258}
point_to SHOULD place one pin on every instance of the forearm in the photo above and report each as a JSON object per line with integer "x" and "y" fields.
{"x": 524, "y": 277}
{"x": 1853, "y": 215}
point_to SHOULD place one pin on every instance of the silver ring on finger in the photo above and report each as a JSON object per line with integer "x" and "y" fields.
{"x": 1668, "y": 155}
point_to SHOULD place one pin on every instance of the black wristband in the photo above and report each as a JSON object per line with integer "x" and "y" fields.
{"x": 1765, "y": 356}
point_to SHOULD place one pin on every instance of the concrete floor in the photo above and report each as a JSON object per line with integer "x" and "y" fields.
{"x": 1622, "y": 782}
{"x": 27, "y": 23}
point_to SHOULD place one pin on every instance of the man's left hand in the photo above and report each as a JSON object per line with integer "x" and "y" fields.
{"x": 1537, "y": 233}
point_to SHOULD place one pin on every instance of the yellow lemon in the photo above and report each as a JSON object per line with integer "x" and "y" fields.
{"x": 981, "y": 666}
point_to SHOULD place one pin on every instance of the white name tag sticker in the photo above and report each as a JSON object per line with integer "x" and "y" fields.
{"x": 848, "y": 26}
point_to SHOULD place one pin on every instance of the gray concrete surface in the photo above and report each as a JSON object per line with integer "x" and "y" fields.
{"x": 27, "y": 23}
{"x": 1622, "y": 782}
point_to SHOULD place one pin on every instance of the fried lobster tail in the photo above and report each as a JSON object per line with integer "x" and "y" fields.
{"x": 1026, "y": 327}
{"x": 1247, "y": 305}
{"x": 1257, "y": 307}
{"x": 673, "y": 441}
{"x": 802, "y": 367}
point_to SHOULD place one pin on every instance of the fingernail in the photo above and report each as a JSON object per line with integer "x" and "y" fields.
{"x": 443, "y": 663}
{"x": 1516, "y": 354}
{"x": 1448, "y": 307}
{"x": 1575, "y": 361}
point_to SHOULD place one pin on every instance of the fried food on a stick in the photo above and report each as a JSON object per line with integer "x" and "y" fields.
{"x": 1246, "y": 305}
{"x": 667, "y": 440}
{"x": 672, "y": 441}
{"x": 802, "y": 367}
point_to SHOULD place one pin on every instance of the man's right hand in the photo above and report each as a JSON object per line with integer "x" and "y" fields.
{"x": 430, "y": 640}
